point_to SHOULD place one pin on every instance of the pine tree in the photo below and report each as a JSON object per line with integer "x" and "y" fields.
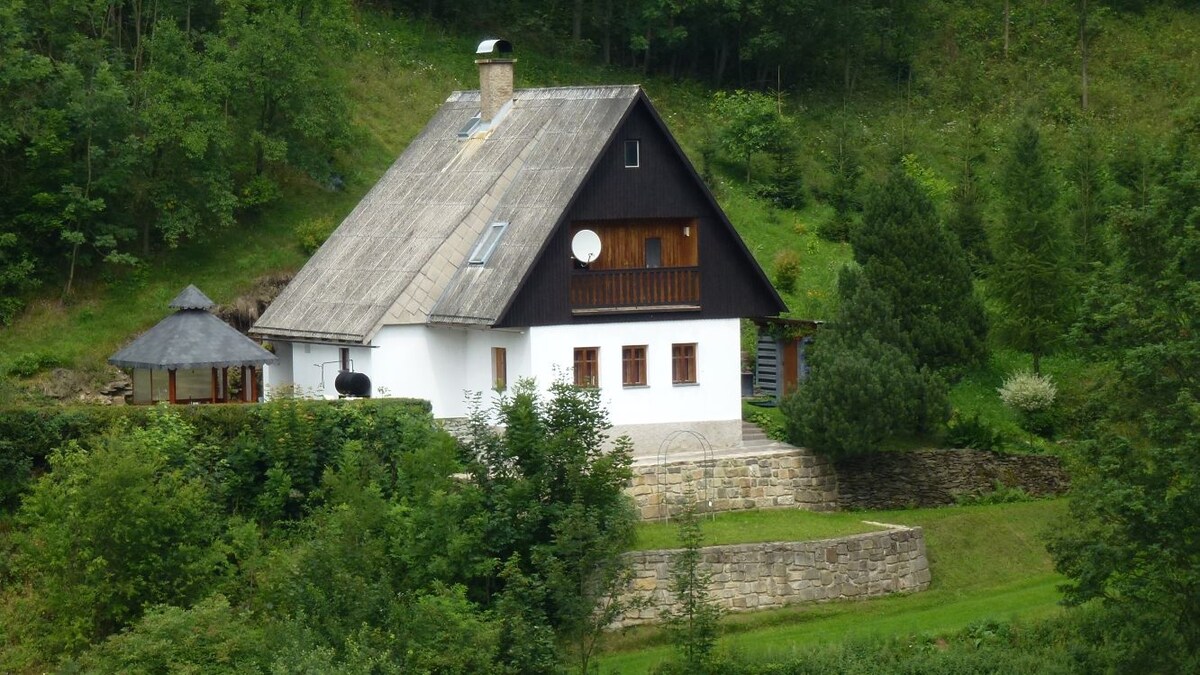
{"x": 864, "y": 385}
{"x": 1031, "y": 279}
{"x": 906, "y": 254}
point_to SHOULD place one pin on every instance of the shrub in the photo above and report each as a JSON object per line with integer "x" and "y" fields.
{"x": 30, "y": 364}
{"x": 860, "y": 392}
{"x": 1028, "y": 392}
{"x": 787, "y": 270}
{"x": 1000, "y": 494}
{"x": 312, "y": 233}
{"x": 836, "y": 228}
{"x": 114, "y": 527}
{"x": 972, "y": 432}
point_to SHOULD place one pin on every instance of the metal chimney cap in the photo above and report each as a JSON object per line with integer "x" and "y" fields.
{"x": 497, "y": 46}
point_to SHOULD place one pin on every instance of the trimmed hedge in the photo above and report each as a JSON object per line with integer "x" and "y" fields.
{"x": 247, "y": 432}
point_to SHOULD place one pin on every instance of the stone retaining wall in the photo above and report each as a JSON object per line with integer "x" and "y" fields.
{"x": 764, "y": 576}
{"x": 793, "y": 478}
{"x": 897, "y": 480}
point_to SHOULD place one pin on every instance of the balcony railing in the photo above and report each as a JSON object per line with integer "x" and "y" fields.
{"x": 664, "y": 288}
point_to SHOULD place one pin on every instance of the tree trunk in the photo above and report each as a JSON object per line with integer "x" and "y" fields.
{"x": 1083, "y": 48}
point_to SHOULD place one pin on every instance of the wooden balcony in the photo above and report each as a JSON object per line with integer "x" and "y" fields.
{"x": 659, "y": 289}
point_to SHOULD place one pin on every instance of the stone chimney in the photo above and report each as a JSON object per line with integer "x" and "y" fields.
{"x": 495, "y": 77}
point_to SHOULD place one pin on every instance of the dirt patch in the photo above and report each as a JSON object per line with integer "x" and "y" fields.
{"x": 244, "y": 310}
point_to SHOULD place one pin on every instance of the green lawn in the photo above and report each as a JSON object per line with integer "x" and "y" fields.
{"x": 987, "y": 562}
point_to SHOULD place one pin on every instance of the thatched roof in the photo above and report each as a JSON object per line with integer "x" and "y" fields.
{"x": 401, "y": 256}
{"x": 191, "y": 338}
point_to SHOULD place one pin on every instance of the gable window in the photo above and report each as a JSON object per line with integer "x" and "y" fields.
{"x": 487, "y": 244}
{"x": 499, "y": 368}
{"x": 683, "y": 363}
{"x": 587, "y": 366}
{"x": 633, "y": 366}
{"x": 633, "y": 155}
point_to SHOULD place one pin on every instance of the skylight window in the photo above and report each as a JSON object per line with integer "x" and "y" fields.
{"x": 487, "y": 244}
{"x": 469, "y": 127}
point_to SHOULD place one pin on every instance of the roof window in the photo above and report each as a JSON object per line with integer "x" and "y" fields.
{"x": 470, "y": 127}
{"x": 487, "y": 243}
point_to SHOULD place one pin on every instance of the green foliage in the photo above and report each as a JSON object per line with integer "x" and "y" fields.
{"x": 787, "y": 270}
{"x": 972, "y": 432}
{"x": 1027, "y": 392}
{"x": 864, "y": 385}
{"x": 210, "y": 637}
{"x": 556, "y": 513}
{"x": 1000, "y": 494}
{"x": 312, "y": 233}
{"x": 907, "y": 255}
{"x": 1131, "y": 538}
{"x": 861, "y": 392}
{"x": 1031, "y": 278}
{"x": 117, "y": 525}
{"x": 770, "y": 424}
{"x": 30, "y": 364}
{"x": 161, "y": 125}
{"x": 694, "y": 623}
{"x": 845, "y": 166}
{"x": 968, "y": 202}
{"x": 751, "y": 123}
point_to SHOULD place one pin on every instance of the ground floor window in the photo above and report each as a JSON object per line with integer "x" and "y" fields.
{"x": 633, "y": 366}
{"x": 587, "y": 366}
{"x": 683, "y": 363}
{"x": 499, "y": 368}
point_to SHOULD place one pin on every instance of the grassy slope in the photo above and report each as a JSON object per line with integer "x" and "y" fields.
{"x": 1141, "y": 69}
{"x": 987, "y": 562}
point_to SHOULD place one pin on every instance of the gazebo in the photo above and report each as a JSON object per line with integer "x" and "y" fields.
{"x": 186, "y": 357}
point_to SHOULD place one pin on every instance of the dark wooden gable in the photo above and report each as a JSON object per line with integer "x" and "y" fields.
{"x": 663, "y": 188}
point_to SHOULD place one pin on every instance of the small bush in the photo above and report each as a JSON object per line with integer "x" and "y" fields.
{"x": 1000, "y": 494}
{"x": 836, "y": 228}
{"x": 312, "y": 233}
{"x": 770, "y": 425}
{"x": 1027, "y": 392}
{"x": 30, "y": 364}
{"x": 972, "y": 432}
{"x": 787, "y": 270}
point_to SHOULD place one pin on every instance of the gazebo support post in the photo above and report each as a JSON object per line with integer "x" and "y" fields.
{"x": 253, "y": 387}
{"x": 171, "y": 385}
{"x": 225, "y": 383}
{"x": 214, "y": 384}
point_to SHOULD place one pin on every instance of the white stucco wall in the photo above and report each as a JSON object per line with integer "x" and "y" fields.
{"x": 715, "y": 396}
{"x": 441, "y": 365}
{"x": 311, "y": 368}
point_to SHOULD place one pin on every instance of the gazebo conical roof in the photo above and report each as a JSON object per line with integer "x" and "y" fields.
{"x": 191, "y": 338}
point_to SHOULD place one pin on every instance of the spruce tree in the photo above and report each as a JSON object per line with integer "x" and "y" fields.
{"x": 967, "y": 204}
{"x": 1031, "y": 279}
{"x": 906, "y": 254}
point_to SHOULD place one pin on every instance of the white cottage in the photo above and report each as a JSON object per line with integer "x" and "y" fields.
{"x": 535, "y": 233}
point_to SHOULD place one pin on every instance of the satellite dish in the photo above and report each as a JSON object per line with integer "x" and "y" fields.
{"x": 585, "y": 246}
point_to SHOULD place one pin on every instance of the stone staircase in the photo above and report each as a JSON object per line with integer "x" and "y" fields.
{"x": 754, "y": 437}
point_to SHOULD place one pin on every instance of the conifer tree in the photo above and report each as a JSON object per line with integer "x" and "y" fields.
{"x": 906, "y": 254}
{"x": 967, "y": 203}
{"x": 1031, "y": 278}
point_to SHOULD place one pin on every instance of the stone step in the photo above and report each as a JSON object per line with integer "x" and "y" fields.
{"x": 758, "y": 442}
